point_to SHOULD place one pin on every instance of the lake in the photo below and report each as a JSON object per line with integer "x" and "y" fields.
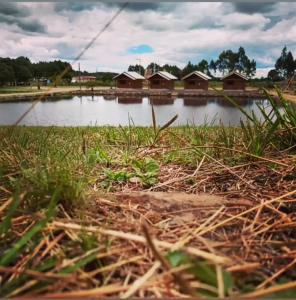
{"x": 99, "y": 111}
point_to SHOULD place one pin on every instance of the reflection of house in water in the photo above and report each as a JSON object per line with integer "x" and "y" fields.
{"x": 109, "y": 97}
{"x": 240, "y": 101}
{"x": 130, "y": 99}
{"x": 161, "y": 100}
{"x": 195, "y": 101}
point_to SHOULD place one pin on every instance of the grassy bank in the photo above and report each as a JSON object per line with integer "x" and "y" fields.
{"x": 68, "y": 228}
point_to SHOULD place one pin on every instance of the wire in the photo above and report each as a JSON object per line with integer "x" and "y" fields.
{"x": 69, "y": 67}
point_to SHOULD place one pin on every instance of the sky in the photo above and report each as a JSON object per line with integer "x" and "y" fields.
{"x": 172, "y": 33}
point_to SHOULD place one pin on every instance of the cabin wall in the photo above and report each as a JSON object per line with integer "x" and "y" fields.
{"x": 196, "y": 83}
{"x": 234, "y": 82}
{"x": 158, "y": 82}
{"x": 124, "y": 82}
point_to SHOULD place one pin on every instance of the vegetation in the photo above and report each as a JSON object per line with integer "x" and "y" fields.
{"x": 226, "y": 62}
{"x": 21, "y": 71}
{"x": 285, "y": 67}
{"x": 68, "y": 230}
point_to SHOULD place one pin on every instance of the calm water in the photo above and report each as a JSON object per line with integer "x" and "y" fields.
{"x": 97, "y": 111}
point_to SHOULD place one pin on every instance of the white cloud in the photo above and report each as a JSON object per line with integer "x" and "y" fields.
{"x": 177, "y": 33}
{"x": 244, "y": 21}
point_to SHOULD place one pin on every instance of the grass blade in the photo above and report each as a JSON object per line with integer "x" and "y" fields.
{"x": 10, "y": 255}
{"x": 153, "y": 119}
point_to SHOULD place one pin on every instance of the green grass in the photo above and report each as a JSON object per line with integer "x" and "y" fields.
{"x": 41, "y": 168}
{"x": 14, "y": 90}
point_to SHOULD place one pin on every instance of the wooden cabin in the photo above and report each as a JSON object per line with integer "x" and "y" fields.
{"x": 196, "y": 81}
{"x": 129, "y": 80}
{"x": 234, "y": 81}
{"x": 162, "y": 80}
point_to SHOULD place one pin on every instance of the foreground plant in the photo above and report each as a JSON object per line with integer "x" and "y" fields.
{"x": 62, "y": 234}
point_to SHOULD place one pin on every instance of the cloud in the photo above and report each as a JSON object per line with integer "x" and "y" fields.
{"x": 14, "y": 14}
{"x": 73, "y": 6}
{"x": 132, "y": 6}
{"x": 13, "y": 9}
{"x": 243, "y": 21}
{"x": 33, "y": 26}
{"x": 176, "y": 32}
{"x": 253, "y": 7}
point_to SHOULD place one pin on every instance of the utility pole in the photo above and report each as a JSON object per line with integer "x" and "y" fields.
{"x": 79, "y": 78}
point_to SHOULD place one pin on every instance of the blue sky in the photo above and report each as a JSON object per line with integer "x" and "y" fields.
{"x": 172, "y": 33}
{"x": 140, "y": 49}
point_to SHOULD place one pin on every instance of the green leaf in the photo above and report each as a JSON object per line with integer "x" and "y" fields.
{"x": 153, "y": 120}
{"x": 205, "y": 273}
{"x": 171, "y": 121}
{"x": 177, "y": 258}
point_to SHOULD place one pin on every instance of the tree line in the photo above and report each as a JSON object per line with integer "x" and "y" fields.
{"x": 226, "y": 62}
{"x": 17, "y": 71}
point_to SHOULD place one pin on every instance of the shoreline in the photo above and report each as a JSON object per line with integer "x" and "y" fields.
{"x": 59, "y": 93}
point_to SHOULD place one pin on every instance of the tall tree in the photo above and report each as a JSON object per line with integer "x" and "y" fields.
{"x": 274, "y": 75}
{"x": 154, "y": 67}
{"x": 285, "y": 64}
{"x": 173, "y": 69}
{"x": 235, "y": 61}
{"x": 203, "y": 66}
{"x": 137, "y": 68}
{"x": 188, "y": 69}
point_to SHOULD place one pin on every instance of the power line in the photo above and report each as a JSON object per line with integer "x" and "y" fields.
{"x": 68, "y": 68}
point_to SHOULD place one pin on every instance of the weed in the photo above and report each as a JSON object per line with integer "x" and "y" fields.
{"x": 147, "y": 170}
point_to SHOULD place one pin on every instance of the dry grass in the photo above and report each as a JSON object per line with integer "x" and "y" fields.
{"x": 250, "y": 234}
{"x": 149, "y": 212}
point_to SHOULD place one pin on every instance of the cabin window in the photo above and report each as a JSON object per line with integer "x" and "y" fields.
{"x": 191, "y": 82}
{"x": 156, "y": 82}
{"x": 122, "y": 81}
{"x": 231, "y": 82}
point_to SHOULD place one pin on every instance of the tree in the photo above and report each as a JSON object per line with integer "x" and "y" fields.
{"x": 212, "y": 67}
{"x": 173, "y": 69}
{"x": 274, "y": 75}
{"x": 285, "y": 64}
{"x": 235, "y": 61}
{"x": 154, "y": 67}
{"x": 6, "y": 74}
{"x": 137, "y": 68}
{"x": 189, "y": 68}
{"x": 203, "y": 66}
{"x": 22, "y": 73}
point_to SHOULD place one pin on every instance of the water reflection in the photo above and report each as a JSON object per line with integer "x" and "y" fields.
{"x": 195, "y": 101}
{"x": 130, "y": 99}
{"x": 240, "y": 101}
{"x": 161, "y": 100}
{"x": 109, "y": 97}
{"x": 97, "y": 111}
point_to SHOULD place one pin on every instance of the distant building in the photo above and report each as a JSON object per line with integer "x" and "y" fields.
{"x": 196, "y": 80}
{"x": 234, "y": 81}
{"x": 162, "y": 80}
{"x": 129, "y": 80}
{"x": 83, "y": 79}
